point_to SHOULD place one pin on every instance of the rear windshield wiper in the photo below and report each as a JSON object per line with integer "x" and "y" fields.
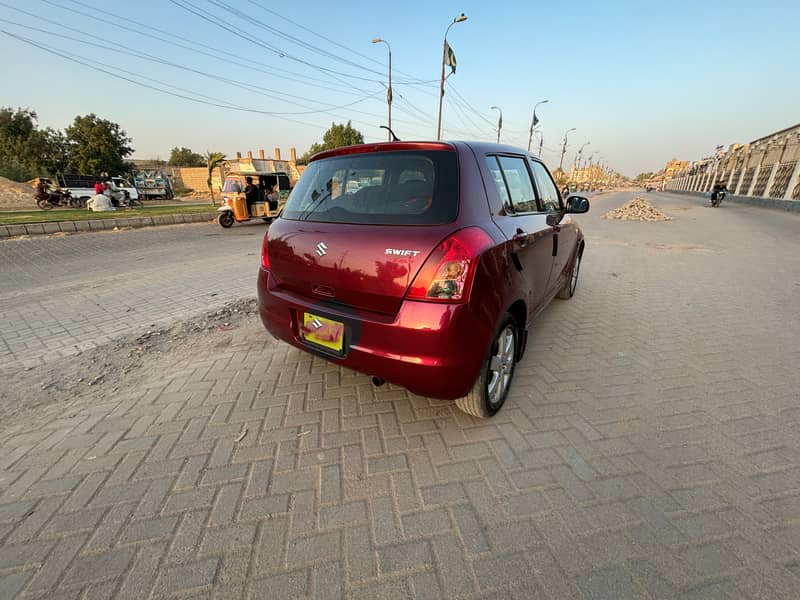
{"x": 314, "y": 206}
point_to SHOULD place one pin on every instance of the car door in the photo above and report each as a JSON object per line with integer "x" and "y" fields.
{"x": 565, "y": 233}
{"x": 530, "y": 238}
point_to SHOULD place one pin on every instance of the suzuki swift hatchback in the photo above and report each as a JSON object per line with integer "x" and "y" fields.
{"x": 421, "y": 263}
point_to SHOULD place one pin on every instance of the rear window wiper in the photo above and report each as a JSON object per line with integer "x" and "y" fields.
{"x": 314, "y": 206}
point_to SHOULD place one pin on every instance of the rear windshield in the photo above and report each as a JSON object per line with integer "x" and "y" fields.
{"x": 380, "y": 188}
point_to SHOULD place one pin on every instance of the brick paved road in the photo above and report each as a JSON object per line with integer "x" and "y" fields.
{"x": 649, "y": 449}
{"x": 61, "y": 295}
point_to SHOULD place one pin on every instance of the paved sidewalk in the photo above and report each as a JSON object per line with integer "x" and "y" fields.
{"x": 649, "y": 449}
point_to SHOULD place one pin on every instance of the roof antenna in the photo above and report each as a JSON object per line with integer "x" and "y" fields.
{"x": 394, "y": 137}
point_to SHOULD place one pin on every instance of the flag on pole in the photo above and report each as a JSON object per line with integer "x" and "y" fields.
{"x": 535, "y": 120}
{"x": 449, "y": 57}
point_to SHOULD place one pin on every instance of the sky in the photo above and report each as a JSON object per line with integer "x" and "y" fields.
{"x": 641, "y": 82}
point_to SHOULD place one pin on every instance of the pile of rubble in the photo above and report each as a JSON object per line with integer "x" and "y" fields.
{"x": 14, "y": 196}
{"x": 637, "y": 209}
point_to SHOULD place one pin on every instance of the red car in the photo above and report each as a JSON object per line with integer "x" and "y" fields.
{"x": 421, "y": 263}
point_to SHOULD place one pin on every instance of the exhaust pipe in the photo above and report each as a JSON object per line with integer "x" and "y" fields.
{"x": 378, "y": 381}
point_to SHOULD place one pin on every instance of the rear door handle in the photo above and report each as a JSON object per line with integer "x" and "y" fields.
{"x": 521, "y": 237}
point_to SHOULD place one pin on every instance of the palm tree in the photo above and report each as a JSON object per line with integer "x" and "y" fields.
{"x": 213, "y": 160}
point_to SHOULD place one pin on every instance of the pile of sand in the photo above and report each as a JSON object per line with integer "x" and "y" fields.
{"x": 16, "y": 196}
{"x": 637, "y": 209}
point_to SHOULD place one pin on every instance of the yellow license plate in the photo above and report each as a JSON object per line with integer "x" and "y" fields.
{"x": 323, "y": 332}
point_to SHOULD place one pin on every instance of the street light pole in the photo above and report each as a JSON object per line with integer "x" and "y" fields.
{"x": 499, "y": 122}
{"x": 460, "y": 18}
{"x": 541, "y": 143}
{"x": 578, "y": 158}
{"x": 564, "y": 149}
{"x": 533, "y": 124}
{"x": 389, "y": 90}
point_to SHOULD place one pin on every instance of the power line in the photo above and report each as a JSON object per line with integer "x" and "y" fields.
{"x": 219, "y": 22}
{"x": 219, "y": 53}
{"x": 414, "y": 81}
{"x": 215, "y": 102}
{"x": 119, "y": 48}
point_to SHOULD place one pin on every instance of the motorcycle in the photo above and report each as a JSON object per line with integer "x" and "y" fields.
{"x": 57, "y": 198}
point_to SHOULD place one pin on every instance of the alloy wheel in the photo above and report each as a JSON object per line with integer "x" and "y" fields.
{"x": 501, "y": 365}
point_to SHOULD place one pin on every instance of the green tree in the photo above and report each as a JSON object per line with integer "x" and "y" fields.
{"x": 644, "y": 176}
{"x": 184, "y": 157}
{"x": 336, "y": 137}
{"x": 27, "y": 151}
{"x": 97, "y": 146}
{"x": 213, "y": 160}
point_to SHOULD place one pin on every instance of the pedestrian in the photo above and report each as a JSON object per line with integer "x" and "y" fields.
{"x": 251, "y": 194}
{"x": 99, "y": 187}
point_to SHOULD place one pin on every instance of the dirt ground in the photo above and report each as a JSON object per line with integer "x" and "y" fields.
{"x": 15, "y": 195}
{"x": 96, "y": 374}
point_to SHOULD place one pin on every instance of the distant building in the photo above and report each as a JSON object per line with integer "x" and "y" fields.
{"x": 675, "y": 167}
{"x": 768, "y": 167}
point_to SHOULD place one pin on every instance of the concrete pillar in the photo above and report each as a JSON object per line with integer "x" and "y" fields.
{"x": 293, "y": 154}
{"x": 238, "y": 155}
{"x": 771, "y": 179}
{"x": 250, "y": 154}
{"x": 749, "y": 190}
{"x": 794, "y": 181}
{"x": 261, "y": 153}
{"x": 277, "y": 153}
{"x": 739, "y": 180}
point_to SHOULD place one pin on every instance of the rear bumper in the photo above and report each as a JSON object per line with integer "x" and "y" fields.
{"x": 433, "y": 350}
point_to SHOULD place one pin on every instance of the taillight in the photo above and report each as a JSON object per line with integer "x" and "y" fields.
{"x": 264, "y": 253}
{"x": 448, "y": 272}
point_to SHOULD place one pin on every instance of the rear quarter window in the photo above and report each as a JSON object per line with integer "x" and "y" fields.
{"x": 379, "y": 188}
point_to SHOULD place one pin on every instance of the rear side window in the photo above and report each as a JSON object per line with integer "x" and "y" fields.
{"x": 514, "y": 182}
{"x": 380, "y": 188}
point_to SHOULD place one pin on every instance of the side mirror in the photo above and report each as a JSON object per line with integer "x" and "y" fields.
{"x": 577, "y": 205}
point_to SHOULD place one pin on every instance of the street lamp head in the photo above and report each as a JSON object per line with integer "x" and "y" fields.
{"x": 460, "y": 18}
{"x": 494, "y": 107}
{"x": 376, "y": 40}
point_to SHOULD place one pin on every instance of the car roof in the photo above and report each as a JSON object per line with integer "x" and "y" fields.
{"x": 477, "y": 146}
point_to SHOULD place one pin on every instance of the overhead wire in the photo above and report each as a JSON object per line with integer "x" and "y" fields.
{"x": 252, "y": 64}
{"x": 196, "y": 97}
{"x": 250, "y": 87}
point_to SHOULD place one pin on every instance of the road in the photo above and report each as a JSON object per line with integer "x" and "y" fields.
{"x": 62, "y": 295}
{"x": 649, "y": 447}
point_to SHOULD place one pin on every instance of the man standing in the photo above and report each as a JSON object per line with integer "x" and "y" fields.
{"x": 250, "y": 194}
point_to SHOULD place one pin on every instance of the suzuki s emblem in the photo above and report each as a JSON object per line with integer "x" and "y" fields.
{"x": 322, "y": 249}
{"x": 316, "y": 323}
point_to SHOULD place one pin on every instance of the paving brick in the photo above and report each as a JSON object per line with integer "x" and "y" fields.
{"x": 284, "y": 586}
{"x": 186, "y": 577}
{"x": 323, "y": 546}
{"x": 100, "y": 566}
{"x": 402, "y": 557}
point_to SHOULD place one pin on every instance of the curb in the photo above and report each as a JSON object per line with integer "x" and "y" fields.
{"x": 8, "y": 231}
{"x": 774, "y": 203}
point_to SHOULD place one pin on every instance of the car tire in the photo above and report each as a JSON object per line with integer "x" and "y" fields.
{"x": 486, "y": 398}
{"x": 571, "y": 284}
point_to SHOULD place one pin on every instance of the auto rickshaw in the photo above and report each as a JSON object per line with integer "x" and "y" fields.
{"x": 233, "y": 206}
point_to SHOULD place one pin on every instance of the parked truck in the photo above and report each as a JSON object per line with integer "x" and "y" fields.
{"x": 81, "y": 187}
{"x": 153, "y": 184}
